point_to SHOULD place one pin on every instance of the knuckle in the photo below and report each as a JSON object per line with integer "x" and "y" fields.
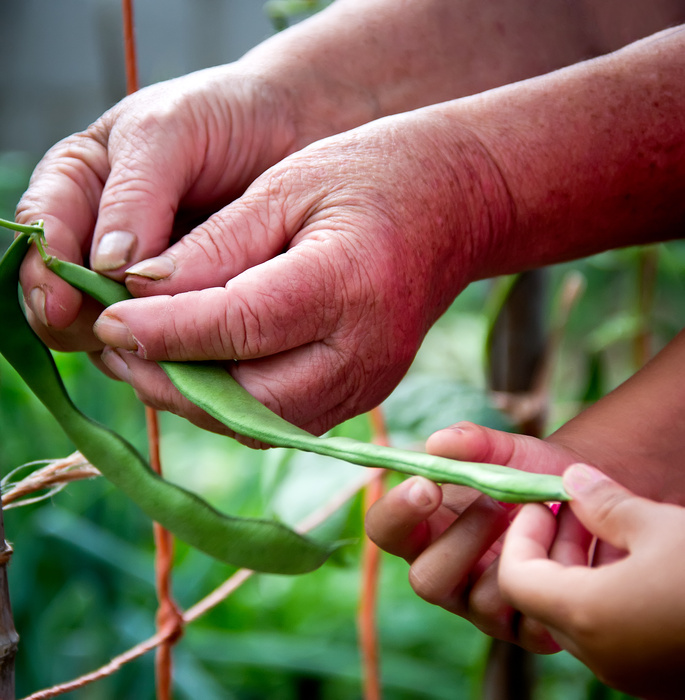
{"x": 246, "y": 332}
{"x": 209, "y": 243}
{"x": 424, "y": 585}
{"x": 609, "y": 508}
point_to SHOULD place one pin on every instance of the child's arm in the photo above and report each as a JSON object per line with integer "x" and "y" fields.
{"x": 624, "y": 620}
{"x": 452, "y": 541}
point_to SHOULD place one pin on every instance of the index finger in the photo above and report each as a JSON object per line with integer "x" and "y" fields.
{"x": 64, "y": 191}
{"x": 529, "y": 580}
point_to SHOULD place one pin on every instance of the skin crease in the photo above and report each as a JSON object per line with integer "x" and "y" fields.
{"x": 626, "y": 626}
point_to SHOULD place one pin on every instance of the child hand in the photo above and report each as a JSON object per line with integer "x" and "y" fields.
{"x": 625, "y": 620}
{"x": 451, "y": 536}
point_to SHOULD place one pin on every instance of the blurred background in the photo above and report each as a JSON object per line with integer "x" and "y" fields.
{"x": 82, "y": 579}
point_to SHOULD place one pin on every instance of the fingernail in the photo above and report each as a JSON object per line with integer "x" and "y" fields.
{"x": 112, "y": 331}
{"x": 116, "y": 364}
{"x": 113, "y": 251}
{"x": 579, "y": 478}
{"x": 36, "y": 302}
{"x": 155, "y": 268}
{"x": 418, "y": 495}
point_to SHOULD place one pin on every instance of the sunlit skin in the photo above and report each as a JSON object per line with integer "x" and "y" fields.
{"x": 623, "y": 615}
{"x": 380, "y": 226}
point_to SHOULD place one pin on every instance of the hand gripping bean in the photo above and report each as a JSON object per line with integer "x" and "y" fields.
{"x": 256, "y": 544}
{"x": 210, "y": 387}
{"x": 213, "y": 389}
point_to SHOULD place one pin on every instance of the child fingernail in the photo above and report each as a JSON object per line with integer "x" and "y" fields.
{"x": 418, "y": 495}
{"x": 579, "y": 478}
{"x": 113, "y": 251}
{"x": 155, "y": 268}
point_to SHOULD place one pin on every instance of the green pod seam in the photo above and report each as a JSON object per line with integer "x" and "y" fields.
{"x": 261, "y": 545}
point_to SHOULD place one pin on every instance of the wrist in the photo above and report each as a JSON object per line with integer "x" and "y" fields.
{"x": 462, "y": 199}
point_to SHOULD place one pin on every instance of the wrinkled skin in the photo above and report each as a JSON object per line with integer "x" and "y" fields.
{"x": 84, "y": 190}
{"x": 343, "y": 251}
{"x": 322, "y": 266}
{"x": 346, "y": 303}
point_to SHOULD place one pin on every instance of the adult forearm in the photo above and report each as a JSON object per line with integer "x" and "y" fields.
{"x": 359, "y": 60}
{"x": 593, "y": 156}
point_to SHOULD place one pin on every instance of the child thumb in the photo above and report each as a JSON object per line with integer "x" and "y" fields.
{"x": 607, "y": 509}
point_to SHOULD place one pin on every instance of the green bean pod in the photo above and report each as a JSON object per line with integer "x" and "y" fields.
{"x": 212, "y": 388}
{"x": 257, "y": 544}
{"x": 261, "y": 545}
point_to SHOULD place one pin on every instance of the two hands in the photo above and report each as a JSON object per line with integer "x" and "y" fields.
{"x": 320, "y": 278}
{"x": 601, "y": 578}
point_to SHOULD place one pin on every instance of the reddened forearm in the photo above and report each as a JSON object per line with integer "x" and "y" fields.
{"x": 593, "y": 156}
{"x": 362, "y": 59}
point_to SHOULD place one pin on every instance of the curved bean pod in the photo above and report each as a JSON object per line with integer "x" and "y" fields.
{"x": 261, "y": 545}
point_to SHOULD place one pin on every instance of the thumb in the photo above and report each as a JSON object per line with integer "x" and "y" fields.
{"x": 247, "y": 232}
{"x": 607, "y": 509}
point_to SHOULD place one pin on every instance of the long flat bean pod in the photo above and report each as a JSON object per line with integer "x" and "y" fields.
{"x": 261, "y": 545}
{"x": 213, "y": 389}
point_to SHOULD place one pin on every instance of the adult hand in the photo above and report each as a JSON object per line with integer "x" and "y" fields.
{"x": 146, "y": 171}
{"x": 321, "y": 280}
{"x": 624, "y": 620}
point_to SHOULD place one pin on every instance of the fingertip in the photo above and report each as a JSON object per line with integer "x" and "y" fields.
{"x": 114, "y": 361}
{"x": 445, "y": 441}
{"x": 114, "y": 332}
{"x": 158, "y": 268}
{"x": 580, "y": 479}
{"x": 55, "y": 312}
{"x": 37, "y": 302}
{"x": 113, "y": 251}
